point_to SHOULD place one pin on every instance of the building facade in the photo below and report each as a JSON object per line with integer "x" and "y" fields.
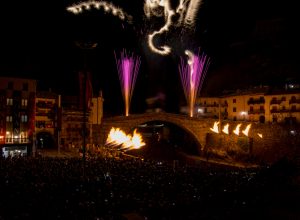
{"x": 47, "y": 119}
{"x": 17, "y": 115}
{"x": 253, "y": 105}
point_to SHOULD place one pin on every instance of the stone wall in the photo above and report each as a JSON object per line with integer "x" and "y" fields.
{"x": 277, "y": 140}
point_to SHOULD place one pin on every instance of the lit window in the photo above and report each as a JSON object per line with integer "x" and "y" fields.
{"x": 9, "y": 101}
{"x": 24, "y": 118}
{"x": 8, "y": 118}
{"x": 24, "y": 102}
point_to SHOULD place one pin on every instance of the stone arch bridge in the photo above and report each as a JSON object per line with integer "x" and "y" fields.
{"x": 197, "y": 127}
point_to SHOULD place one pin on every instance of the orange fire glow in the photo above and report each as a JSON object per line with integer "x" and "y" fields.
{"x": 260, "y": 135}
{"x": 215, "y": 127}
{"x": 118, "y": 138}
{"x": 246, "y": 131}
{"x": 225, "y": 129}
{"x": 237, "y": 129}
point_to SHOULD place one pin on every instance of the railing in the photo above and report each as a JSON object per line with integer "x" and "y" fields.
{"x": 275, "y": 102}
{"x": 256, "y": 101}
{"x": 17, "y": 140}
{"x": 284, "y": 110}
{"x": 294, "y": 101}
{"x": 258, "y": 111}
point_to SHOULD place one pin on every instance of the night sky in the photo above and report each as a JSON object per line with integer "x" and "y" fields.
{"x": 249, "y": 43}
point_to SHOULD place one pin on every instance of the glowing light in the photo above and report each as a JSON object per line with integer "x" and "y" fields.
{"x": 243, "y": 113}
{"x": 191, "y": 11}
{"x": 225, "y": 129}
{"x": 108, "y": 7}
{"x": 215, "y": 127}
{"x": 192, "y": 76}
{"x": 186, "y": 11}
{"x": 119, "y": 139}
{"x": 237, "y": 129}
{"x": 260, "y": 135}
{"x": 246, "y": 131}
{"x": 128, "y": 67}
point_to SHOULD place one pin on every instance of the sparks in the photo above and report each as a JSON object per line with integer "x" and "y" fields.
{"x": 128, "y": 68}
{"x": 107, "y": 7}
{"x": 192, "y": 76}
{"x": 186, "y": 10}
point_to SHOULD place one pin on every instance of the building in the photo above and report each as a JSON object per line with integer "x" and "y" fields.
{"x": 257, "y": 105}
{"x": 47, "y": 120}
{"x": 96, "y": 115}
{"x": 71, "y": 137}
{"x": 17, "y": 115}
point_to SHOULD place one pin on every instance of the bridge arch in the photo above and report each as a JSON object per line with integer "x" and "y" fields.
{"x": 196, "y": 127}
{"x": 45, "y": 140}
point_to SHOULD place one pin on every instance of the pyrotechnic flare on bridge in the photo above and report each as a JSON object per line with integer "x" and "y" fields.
{"x": 192, "y": 75}
{"x": 128, "y": 68}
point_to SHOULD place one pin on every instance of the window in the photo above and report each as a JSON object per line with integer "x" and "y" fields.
{"x": 234, "y": 109}
{"x": 25, "y": 86}
{"x": 234, "y": 100}
{"x": 24, "y": 118}
{"x": 251, "y": 108}
{"x": 24, "y": 102}
{"x": 261, "y": 108}
{"x": 9, "y": 101}
{"x": 274, "y": 108}
{"x": 10, "y": 85}
{"x": 8, "y": 118}
{"x": 293, "y": 108}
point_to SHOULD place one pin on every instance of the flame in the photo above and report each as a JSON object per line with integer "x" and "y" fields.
{"x": 246, "y": 131}
{"x": 225, "y": 129}
{"x": 118, "y": 138}
{"x": 237, "y": 129}
{"x": 216, "y": 127}
{"x": 260, "y": 135}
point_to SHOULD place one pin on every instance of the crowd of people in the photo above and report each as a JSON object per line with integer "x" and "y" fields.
{"x": 108, "y": 187}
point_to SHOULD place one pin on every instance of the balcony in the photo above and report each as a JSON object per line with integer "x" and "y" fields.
{"x": 285, "y": 110}
{"x": 16, "y": 140}
{"x": 256, "y": 111}
{"x": 256, "y": 101}
{"x": 275, "y": 102}
{"x": 294, "y": 101}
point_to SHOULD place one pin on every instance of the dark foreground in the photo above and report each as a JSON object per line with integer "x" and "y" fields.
{"x": 55, "y": 188}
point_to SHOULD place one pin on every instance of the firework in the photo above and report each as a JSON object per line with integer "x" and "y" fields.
{"x": 186, "y": 11}
{"x": 107, "y": 7}
{"x": 192, "y": 76}
{"x": 128, "y": 68}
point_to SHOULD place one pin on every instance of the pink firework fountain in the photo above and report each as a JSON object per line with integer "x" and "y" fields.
{"x": 192, "y": 75}
{"x": 128, "y": 68}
